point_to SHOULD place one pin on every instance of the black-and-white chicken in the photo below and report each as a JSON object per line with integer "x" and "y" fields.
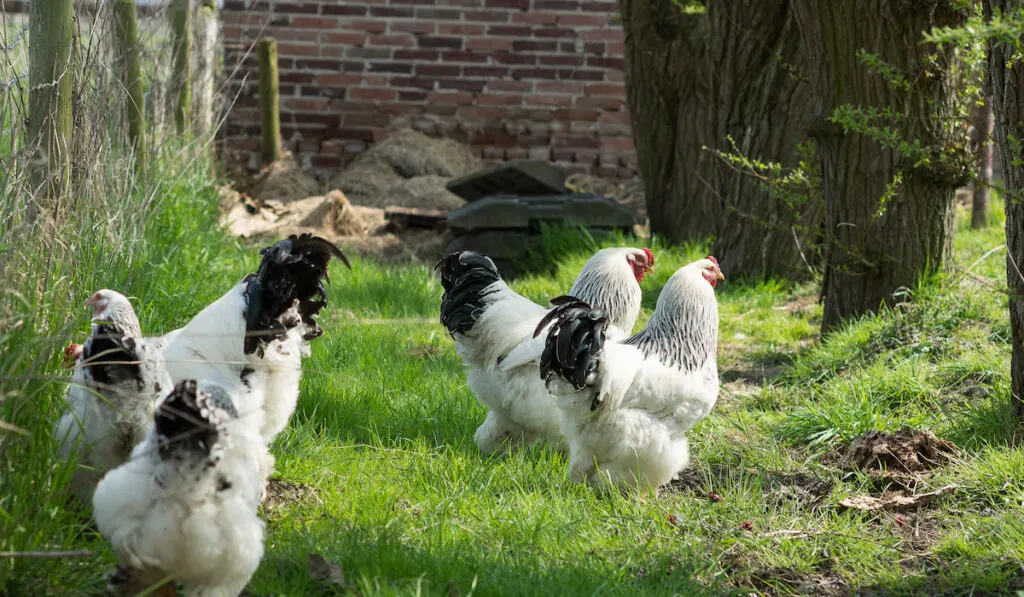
{"x": 183, "y": 507}
{"x": 493, "y": 327}
{"x": 258, "y": 332}
{"x": 627, "y": 405}
{"x": 118, "y": 377}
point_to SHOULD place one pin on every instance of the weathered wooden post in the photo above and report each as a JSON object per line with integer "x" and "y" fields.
{"x": 205, "y": 55}
{"x": 270, "y": 109}
{"x": 181, "y": 23}
{"x": 50, "y": 77}
{"x": 126, "y": 46}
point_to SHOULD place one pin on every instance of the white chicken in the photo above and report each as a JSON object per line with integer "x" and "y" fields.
{"x": 493, "y": 329}
{"x": 183, "y": 508}
{"x": 627, "y": 405}
{"x": 117, "y": 380}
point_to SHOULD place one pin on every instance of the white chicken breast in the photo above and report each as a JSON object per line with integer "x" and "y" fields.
{"x": 118, "y": 377}
{"x": 184, "y": 505}
{"x": 627, "y": 405}
{"x": 493, "y": 328}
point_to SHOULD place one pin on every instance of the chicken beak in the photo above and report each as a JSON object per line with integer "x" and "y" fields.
{"x": 720, "y": 275}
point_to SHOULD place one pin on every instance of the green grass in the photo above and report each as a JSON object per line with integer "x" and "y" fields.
{"x": 395, "y": 492}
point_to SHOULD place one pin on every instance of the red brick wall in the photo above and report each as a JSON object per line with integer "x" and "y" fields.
{"x": 514, "y": 78}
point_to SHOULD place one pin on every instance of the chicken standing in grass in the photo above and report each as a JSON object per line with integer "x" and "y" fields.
{"x": 628, "y": 404}
{"x": 493, "y": 328}
{"x": 118, "y": 377}
{"x": 183, "y": 507}
{"x": 258, "y": 332}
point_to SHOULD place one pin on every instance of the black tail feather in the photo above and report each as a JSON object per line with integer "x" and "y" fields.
{"x": 465, "y": 277}
{"x": 293, "y": 272}
{"x": 111, "y": 357}
{"x": 572, "y": 350}
{"x": 180, "y": 424}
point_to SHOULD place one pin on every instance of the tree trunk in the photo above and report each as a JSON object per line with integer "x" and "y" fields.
{"x": 695, "y": 80}
{"x": 270, "y": 111}
{"x": 981, "y": 143}
{"x": 180, "y": 12}
{"x": 889, "y": 217}
{"x": 1006, "y": 89}
{"x": 50, "y": 79}
{"x": 126, "y": 44}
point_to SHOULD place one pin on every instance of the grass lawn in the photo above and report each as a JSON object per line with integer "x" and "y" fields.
{"x": 385, "y": 480}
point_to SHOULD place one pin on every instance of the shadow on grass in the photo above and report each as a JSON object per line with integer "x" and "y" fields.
{"x": 382, "y": 560}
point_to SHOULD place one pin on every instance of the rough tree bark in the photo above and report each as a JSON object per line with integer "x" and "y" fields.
{"x": 692, "y": 81}
{"x": 126, "y": 44}
{"x": 1006, "y": 88}
{"x": 875, "y": 246}
{"x": 981, "y": 143}
{"x": 180, "y": 12}
{"x": 50, "y": 78}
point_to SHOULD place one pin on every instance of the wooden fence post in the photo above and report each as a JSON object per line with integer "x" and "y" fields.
{"x": 50, "y": 78}
{"x": 205, "y": 53}
{"x": 270, "y": 112}
{"x": 181, "y": 23}
{"x": 126, "y": 48}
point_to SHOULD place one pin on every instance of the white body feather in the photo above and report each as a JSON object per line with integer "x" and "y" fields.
{"x": 637, "y": 435}
{"x": 520, "y": 409}
{"x": 102, "y": 424}
{"x": 175, "y": 518}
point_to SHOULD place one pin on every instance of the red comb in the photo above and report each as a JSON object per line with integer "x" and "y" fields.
{"x": 650, "y": 257}
{"x": 712, "y": 259}
{"x": 70, "y": 350}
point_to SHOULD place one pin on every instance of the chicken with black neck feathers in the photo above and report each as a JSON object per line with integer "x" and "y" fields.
{"x": 183, "y": 507}
{"x": 628, "y": 404}
{"x": 118, "y": 377}
{"x": 492, "y": 327}
{"x": 258, "y": 332}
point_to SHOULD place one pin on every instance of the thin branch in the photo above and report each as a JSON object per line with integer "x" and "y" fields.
{"x": 46, "y": 555}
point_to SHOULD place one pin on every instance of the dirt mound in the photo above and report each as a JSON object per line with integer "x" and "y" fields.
{"x": 407, "y": 169}
{"x": 627, "y": 192}
{"x": 422, "y": 191}
{"x": 284, "y": 181}
{"x": 903, "y": 452}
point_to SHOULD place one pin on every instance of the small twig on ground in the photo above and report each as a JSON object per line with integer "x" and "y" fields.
{"x": 45, "y": 555}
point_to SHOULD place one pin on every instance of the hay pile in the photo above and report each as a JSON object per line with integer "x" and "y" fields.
{"x": 354, "y": 228}
{"x": 284, "y": 181}
{"x": 408, "y": 169}
{"x": 329, "y": 214}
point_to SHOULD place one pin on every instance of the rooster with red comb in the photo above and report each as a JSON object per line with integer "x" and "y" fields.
{"x": 493, "y": 331}
{"x": 628, "y": 404}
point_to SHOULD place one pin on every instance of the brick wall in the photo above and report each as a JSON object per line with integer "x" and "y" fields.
{"x": 514, "y": 78}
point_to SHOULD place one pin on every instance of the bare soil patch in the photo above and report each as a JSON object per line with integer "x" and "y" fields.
{"x": 801, "y": 487}
{"x": 280, "y": 493}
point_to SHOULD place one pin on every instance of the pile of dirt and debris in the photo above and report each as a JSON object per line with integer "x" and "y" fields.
{"x": 284, "y": 181}
{"x": 903, "y": 452}
{"x": 406, "y": 173}
{"x": 408, "y": 169}
{"x": 355, "y": 228}
{"x": 627, "y": 192}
